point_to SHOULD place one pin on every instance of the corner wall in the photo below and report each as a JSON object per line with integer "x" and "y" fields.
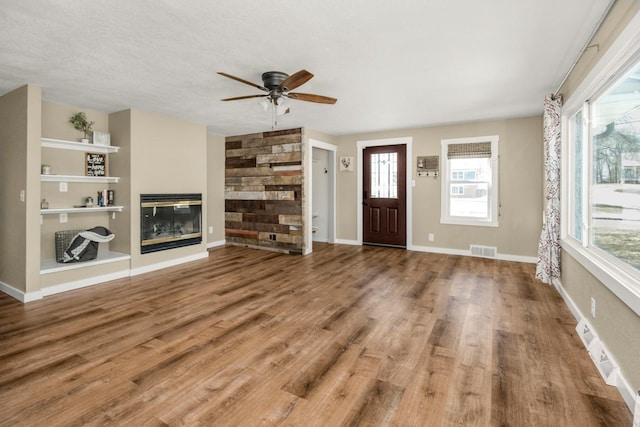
{"x": 215, "y": 189}
{"x": 20, "y": 123}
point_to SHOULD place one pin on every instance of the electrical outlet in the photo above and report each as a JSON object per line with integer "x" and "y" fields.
{"x": 22, "y": 195}
{"x": 593, "y": 307}
{"x": 63, "y": 187}
{"x": 63, "y": 217}
{"x": 210, "y": 229}
{"x": 431, "y": 237}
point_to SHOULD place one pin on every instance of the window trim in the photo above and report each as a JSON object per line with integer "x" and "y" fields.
{"x": 624, "y": 51}
{"x": 445, "y": 197}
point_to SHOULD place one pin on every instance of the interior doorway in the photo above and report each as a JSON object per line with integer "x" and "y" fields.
{"x": 320, "y": 186}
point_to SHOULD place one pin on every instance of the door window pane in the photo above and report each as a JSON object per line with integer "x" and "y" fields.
{"x": 384, "y": 175}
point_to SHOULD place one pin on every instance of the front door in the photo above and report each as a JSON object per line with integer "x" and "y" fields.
{"x": 384, "y": 199}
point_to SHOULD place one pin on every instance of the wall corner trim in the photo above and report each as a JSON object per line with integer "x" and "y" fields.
{"x": 170, "y": 263}
{"x": 23, "y": 297}
{"x": 216, "y": 244}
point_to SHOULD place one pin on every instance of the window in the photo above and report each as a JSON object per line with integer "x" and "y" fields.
{"x": 577, "y": 184}
{"x": 470, "y": 177}
{"x": 601, "y": 195}
{"x": 612, "y": 191}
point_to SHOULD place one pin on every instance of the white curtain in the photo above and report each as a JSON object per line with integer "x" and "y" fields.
{"x": 548, "y": 265}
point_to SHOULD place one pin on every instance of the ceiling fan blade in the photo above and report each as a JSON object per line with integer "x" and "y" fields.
{"x": 312, "y": 98}
{"x": 235, "y": 98}
{"x": 238, "y": 79}
{"x": 295, "y": 80}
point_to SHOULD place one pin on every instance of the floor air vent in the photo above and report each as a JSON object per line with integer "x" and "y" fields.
{"x": 483, "y": 251}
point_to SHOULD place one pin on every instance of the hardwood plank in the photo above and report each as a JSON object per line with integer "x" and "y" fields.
{"x": 345, "y": 336}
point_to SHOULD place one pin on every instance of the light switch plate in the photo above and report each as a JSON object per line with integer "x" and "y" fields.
{"x": 63, "y": 217}
{"x": 64, "y": 187}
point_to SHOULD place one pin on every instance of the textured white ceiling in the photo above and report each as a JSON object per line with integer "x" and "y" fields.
{"x": 391, "y": 64}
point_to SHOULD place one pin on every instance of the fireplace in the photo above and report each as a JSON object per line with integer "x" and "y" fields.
{"x": 170, "y": 221}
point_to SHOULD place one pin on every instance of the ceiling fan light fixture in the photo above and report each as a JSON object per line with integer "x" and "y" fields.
{"x": 281, "y": 109}
{"x": 264, "y": 103}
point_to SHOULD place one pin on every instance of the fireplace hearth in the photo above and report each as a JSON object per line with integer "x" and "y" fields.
{"x": 170, "y": 221}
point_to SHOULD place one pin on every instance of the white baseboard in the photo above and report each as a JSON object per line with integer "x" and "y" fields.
{"x": 465, "y": 252}
{"x": 347, "y": 242}
{"x": 216, "y": 244}
{"x": 597, "y": 347}
{"x": 435, "y": 250}
{"x": 23, "y": 297}
{"x": 83, "y": 283}
{"x": 518, "y": 258}
{"x": 170, "y": 263}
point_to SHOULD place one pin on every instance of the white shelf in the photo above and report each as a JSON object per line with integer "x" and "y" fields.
{"x": 78, "y": 146}
{"x": 78, "y": 178}
{"x": 48, "y": 266}
{"x": 81, "y": 210}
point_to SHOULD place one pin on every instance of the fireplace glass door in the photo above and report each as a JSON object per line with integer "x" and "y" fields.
{"x": 170, "y": 222}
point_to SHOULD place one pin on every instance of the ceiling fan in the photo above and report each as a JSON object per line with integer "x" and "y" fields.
{"x": 278, "y": 84}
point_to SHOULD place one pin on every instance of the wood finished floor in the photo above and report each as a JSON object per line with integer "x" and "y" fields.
{"x": 346, "y": 336}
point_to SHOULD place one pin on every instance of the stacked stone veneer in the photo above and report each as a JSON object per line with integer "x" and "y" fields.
{"x": 263, "y": 190}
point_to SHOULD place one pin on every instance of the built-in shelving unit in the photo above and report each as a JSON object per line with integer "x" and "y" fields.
{"x": 81, "y": 210}
{"x": 50, "y": 266}
{"x": 78, "y": 146}
{"x": 79, "y": 178}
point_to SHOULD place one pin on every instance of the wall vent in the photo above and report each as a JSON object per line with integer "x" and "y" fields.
{"x": 598, "y": 352}
{"x": 483, "y": 251}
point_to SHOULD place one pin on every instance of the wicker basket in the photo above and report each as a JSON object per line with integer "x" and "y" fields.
{"x": 64, "y": 238}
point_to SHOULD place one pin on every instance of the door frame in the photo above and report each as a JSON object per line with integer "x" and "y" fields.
{"x": 308, "y": 190}
{"x": 361, "y": 145}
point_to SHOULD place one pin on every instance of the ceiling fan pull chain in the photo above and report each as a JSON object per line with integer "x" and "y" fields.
{"x": 274, "y": 121}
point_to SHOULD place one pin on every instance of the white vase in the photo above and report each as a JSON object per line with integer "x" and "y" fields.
{"x": 85, "y": 140}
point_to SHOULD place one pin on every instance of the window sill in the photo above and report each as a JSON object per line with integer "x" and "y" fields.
{"x": 477, "y": 223}
{"x": 623, "y": 285}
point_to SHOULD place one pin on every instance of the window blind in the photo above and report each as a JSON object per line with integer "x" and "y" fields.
{"x": 470, "y": 150}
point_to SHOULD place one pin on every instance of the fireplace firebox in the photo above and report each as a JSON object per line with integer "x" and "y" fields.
{"x": 170, "y": 221}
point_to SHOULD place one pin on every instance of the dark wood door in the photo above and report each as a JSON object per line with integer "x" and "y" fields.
{"x": 384, "y": 199}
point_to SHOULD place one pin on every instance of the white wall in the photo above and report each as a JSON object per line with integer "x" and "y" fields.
{"x": 320, "y": 194}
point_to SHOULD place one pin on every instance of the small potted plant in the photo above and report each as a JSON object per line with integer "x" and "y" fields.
{"x": 45, "y": 169}
{"x": 80, "y": 122}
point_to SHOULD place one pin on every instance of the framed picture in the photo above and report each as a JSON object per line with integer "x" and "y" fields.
{"x": 346, "y": 164}
{"x": 96, "y": 164}
{"x": 101, "y": 138}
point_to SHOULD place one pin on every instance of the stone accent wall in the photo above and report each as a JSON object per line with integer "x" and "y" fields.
{"x": 263, "y": 190}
